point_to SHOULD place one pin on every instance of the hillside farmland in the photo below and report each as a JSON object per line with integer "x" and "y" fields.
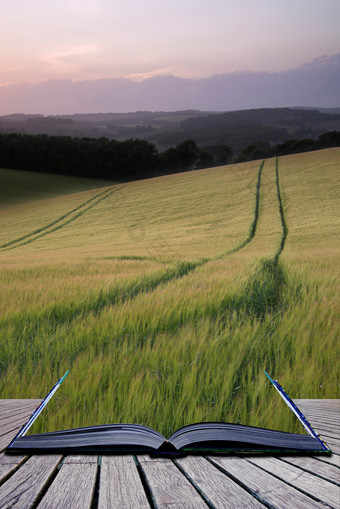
{"x": 168, "y": 297}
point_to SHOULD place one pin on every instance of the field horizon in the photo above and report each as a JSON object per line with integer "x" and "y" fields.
{"x": 167, "y": 298}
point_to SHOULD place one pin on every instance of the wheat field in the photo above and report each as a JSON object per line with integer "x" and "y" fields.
{"x": 168, "y": 297}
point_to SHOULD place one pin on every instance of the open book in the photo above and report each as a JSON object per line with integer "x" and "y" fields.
{"x": 199, "y": 438}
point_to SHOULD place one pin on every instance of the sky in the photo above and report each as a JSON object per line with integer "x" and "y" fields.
{"x": 98, "y": 39}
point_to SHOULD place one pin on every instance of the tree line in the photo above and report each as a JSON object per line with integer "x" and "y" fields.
{"x": 263, "y": 150}
{"x": 97, "y": 157}
{"x": 132, "y": 159}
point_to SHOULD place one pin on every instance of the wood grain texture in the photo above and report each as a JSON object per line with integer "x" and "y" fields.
{"x": 8, "y": 411}
{"x": 13, "y": 424}
{"x": 323, "y": 415}
{"x": 6, "y": 459}
{"x": 84, "y": 459}
{"x": 168, "y": 486}
{"x": 267, "y": 487}
{"x": 333, "y": 444}
{"x": 6, "y": 439}
{"x": 334, "y": 459}
{"x": 13, "y": 415}
{"x": 9, "y": 464}
{"x": 328, "y": 408}
{"x": 10, "y": 407}
{"x": 327, "y": 433}
{"x": 314, "y": 466}
{"x": 216, "y": 486}
{"x": 7, "y": 469}
{"x": 73, "y": 487}
{"x": 330, "y": 424}
{"x": 21, "y": 415}
{"x": 314, "y": 403}
{"x": 308, "y": 483}
{"x": 15, "y": 403}
{"x": 24, "y": 487}
{"x": 120, "y": 484}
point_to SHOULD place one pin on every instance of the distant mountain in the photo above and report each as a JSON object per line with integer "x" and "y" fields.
{"x": 313, "y": 84}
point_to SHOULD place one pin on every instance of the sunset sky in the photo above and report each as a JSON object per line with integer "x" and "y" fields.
{"x": 94, "y": 39}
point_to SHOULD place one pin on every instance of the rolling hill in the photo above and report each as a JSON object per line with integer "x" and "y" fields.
{"x": 168, "y": 297}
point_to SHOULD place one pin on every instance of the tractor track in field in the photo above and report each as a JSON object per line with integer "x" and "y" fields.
{"x": 261, "y": 295}
{"x": 282, "y": 214}
{"x": 254, "y": 223}
{"x": 60, "y": 222}
{"x": 63, "y": 315}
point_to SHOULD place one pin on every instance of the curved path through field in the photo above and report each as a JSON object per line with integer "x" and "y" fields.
{"x": 60, "y": 222}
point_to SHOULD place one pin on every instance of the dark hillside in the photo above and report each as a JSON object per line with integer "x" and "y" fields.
{"x": 237, "y": 129}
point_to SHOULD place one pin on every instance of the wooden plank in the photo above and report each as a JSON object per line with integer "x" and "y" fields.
{"x": 314, "y": 409}
{"x": 335, "y": 438}
{"x": 321, "y": 410}
{"x": 84, "y": 458}
{"x": 324, "y": 433}
{"x": 74, "y": 485}
{"x": 13, "y": 417}
{"x": 12, "y": 422}
{"x": 10, "y": 427}
{"x": 327, "y": 421}
{"x": 219, "y": 489}
{"x": 9, "y": 464}
{"x": 9, "y": 421}
{"x": 15, "y": 401}
{"x": 28, "y": 406}
{"x": 308, "y": 483}
{"x": 5, "y": 403}
{"x": 6, "y": 459}
{"x": 120, "y": 484}
{"x": 334, "y": 459}
{"x": 25, "y": 486}
{"x": 326, "y": 427}
{"x": 6, "y": 439}
{"x": 169, "y": 487}
{"x": 7, "y": 412}
{"x": 266, "y": 487}
{"x": 320, "y": 405}
{"x": 322, "y": 413}
{"x": 312, "y": 403}
{"x": 16, "y": 414}
{"x": 315, "y": 466}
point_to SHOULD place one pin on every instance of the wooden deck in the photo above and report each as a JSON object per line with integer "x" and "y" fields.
{"x": 92, "y": 482}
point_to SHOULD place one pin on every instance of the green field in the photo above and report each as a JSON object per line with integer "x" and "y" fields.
{"x": 168, "y": 297}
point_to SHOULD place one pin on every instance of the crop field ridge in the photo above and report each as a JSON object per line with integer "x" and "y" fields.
{"x": 264, "y": 290}
{"x": 282, "y": 214}
{"x": 157, "y": 326}
{"x": 60, "y": 315}
{"x": 253, "y": 225}
{"x": 59, "y": 222}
